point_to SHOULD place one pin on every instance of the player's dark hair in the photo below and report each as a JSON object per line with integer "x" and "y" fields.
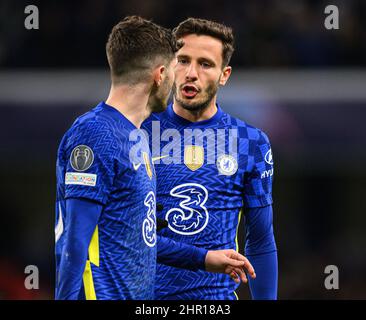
{"x": 208, "y": 28}
{"x": 135, "y": 45}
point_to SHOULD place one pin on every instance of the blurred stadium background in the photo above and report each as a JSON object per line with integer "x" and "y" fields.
{"x": 302, "y": 84}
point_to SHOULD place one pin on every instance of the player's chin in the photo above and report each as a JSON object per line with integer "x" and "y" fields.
{"x": 192, "y": 104}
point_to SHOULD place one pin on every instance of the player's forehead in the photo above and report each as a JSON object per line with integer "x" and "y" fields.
{"x": 201, "y": 46}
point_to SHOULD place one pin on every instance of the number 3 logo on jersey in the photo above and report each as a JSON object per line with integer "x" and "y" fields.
{"x": 149, "y": 224}
{"x": 192, "y": 216}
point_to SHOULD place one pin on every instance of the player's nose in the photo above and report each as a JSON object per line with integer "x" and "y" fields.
{"x": 191, "y": 73}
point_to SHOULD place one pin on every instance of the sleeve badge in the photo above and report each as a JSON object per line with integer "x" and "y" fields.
{"x": 82, "y": 157}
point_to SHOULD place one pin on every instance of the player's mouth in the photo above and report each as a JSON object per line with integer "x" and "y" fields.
{"x": 189, "y": 91}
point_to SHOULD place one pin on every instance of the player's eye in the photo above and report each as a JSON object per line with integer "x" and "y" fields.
{"x": 206, "y": 64}
{"x": 182, "y": 61}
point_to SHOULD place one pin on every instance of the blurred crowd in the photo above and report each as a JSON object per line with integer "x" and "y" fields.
{"x": 269, "y": 33}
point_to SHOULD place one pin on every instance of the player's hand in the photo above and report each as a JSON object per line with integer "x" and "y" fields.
{"x": 230, "y": 262}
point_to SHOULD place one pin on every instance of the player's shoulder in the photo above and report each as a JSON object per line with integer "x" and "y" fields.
{"x": 103, "y": 120}
{"x": 245, "y": 130}
{"x": 93, "y": 127}
{"x": 96, "y": 117}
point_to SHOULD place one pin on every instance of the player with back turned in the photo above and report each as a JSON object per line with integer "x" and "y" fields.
{"x": 217, "y": 168}
{"x": 106, "y": 242}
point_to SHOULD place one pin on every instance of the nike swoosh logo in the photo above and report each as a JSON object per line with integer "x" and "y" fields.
{"x": 136, "y": 166}
{"x": 157, "y": 158}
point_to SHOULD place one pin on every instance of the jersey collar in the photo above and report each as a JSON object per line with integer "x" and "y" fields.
{"x": 118, "y": 116}
{"x": 178, "y": 119}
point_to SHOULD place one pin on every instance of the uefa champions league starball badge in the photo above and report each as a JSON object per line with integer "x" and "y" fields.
{"x": 227, "y": 165}
{"x": 81, "y": 158}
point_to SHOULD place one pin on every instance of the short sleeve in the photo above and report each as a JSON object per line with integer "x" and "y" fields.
{"x": 91, "y": 155}
{"x": 258, "y": 182}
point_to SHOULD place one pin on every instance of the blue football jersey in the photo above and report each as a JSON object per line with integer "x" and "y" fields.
{"x": 95, "y": 162}
{"x": 207, "y": 172}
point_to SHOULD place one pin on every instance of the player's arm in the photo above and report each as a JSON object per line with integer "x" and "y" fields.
{"x": 189, "y": 257}
{"x": 180, "y": 255}
{"x": 81, "y": 219}
{"x": 261, "y": 250}
{"x": 260, "y": 242}
{"x": 89, "y": 175}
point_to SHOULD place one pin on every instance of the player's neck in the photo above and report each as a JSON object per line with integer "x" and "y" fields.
{"x": 131, "y": 101}
{"x": 195, "y": 116}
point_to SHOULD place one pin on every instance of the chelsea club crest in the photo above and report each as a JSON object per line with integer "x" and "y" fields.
{"x": 227, "y": 165}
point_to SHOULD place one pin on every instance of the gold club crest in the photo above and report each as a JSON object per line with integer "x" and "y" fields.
{"x": 194, "y": 157}
{"x": 147, "y": 165}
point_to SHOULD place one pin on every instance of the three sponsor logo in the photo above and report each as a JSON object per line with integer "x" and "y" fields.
{"x": 191, "y": 217}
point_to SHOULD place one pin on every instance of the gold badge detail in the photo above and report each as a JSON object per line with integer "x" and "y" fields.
{"x": 194, "y": 157}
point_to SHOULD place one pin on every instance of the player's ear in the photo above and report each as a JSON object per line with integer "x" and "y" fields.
{"x": 225, "y": 75}
{"x": 159, "y": 75}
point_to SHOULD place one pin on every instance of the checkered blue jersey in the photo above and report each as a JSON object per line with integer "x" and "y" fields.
{"x": 93, "y": 163}
{"x": 207, "y": 172}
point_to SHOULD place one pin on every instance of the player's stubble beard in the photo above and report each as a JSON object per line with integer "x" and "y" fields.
{"x": 209, "y": 93}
